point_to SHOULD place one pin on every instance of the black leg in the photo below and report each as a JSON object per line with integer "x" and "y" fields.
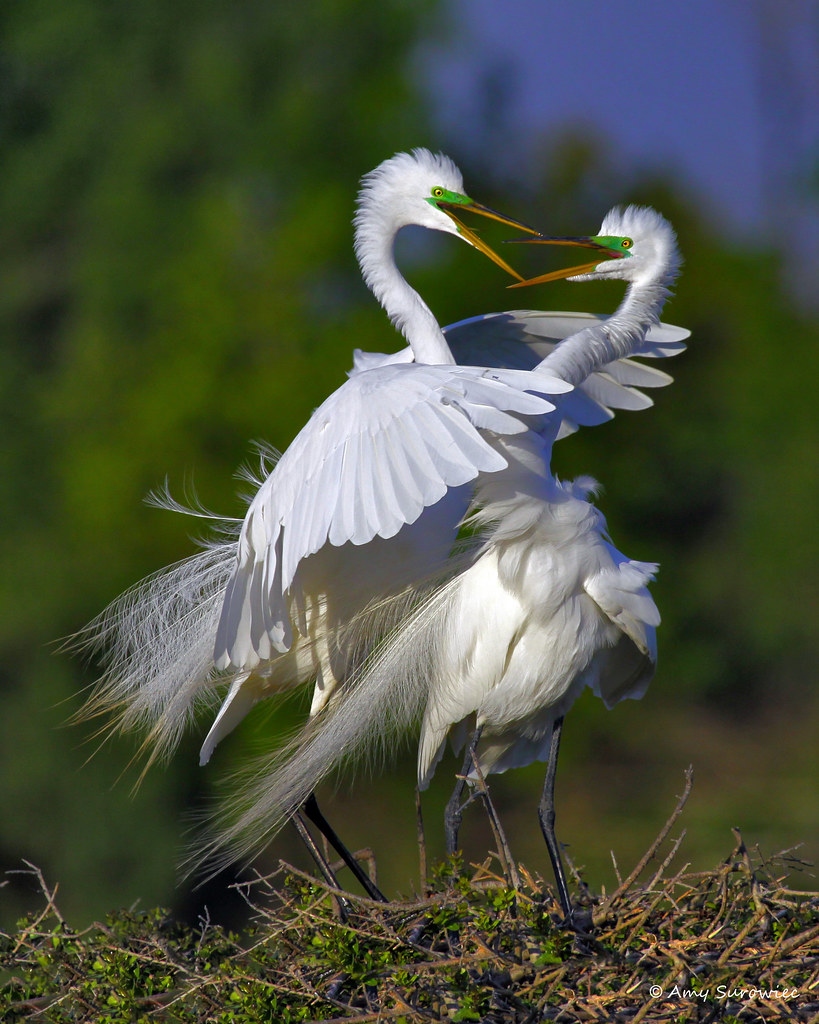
{"x": 504, "y": 853}
{"x": 321, "y": 862}
{"x": 453, "y": 812}
{"x": 311, "y": 809}
{"x": 546, "y": 814}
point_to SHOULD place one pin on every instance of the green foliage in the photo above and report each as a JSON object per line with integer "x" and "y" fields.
{"x": 710, "y": 939}
{"x": 178, "y": 280}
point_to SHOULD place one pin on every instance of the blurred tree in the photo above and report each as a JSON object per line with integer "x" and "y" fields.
{"x": 175, "y": 248}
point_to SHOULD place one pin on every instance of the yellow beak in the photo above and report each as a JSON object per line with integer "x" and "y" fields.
{"x": 453, "y": 210}
{"x": 604, "y": 253}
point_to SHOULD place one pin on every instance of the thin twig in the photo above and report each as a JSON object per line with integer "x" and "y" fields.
{"x": 652, "y": 850}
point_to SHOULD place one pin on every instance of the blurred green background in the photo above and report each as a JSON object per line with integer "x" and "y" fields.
{"x": 176, "y": 190}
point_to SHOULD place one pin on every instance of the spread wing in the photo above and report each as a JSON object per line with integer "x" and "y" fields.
{"x": 522, "y": 338}
{"x": 387, "y": 444}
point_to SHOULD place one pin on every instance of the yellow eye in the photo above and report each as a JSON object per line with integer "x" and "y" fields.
{"x": 437, "y": 192}
{"x": 626, "y": 243}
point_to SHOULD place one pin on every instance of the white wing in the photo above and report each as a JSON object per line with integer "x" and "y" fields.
{"x": 387, "y": 444}
{"x": 522, "y": 338}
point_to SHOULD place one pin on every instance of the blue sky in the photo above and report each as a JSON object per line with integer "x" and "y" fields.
{"x": 726, "y": 91}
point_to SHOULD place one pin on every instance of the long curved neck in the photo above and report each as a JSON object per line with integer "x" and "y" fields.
{"x": 406, "y": 309}
{"x": 615, "y": 338}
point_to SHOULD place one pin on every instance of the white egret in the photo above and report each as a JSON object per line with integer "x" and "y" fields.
{"x": 356, "y": 509}
{"x": 542, "y": 607}
{"x": 350, "y": 579}
{"x": 550, "y": 606}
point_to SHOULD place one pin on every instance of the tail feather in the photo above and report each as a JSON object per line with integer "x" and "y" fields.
{"x": 155, "y": 642}
{"x": 365, "y": 718}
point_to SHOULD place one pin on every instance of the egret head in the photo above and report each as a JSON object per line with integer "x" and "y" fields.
{"x": 424, "y": 189}
{"x": 643, "y": 242}
{"x": 635, "y": 244}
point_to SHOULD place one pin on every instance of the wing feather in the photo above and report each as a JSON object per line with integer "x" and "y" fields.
{"x": 421, "y": 462}
{"x": 520, "y": 339}
{"x": 389, "y": 443}
{"x": 602, "y": 388}
{"x": 389, "y": 514}
{"x": 404, "y": 479}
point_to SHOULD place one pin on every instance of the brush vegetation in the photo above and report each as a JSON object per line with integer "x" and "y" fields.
{"x": 731, "y": 944}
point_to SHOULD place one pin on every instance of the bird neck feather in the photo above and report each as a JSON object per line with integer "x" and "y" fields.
{"x": 374, "y": 239}
{"x": 615, "y": 338}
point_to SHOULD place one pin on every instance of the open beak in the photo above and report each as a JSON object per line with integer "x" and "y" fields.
{"x": 453, "y": 211}
{"x": 603, "y": 253}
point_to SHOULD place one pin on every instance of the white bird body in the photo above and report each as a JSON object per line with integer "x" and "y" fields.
{"x": 548, "y": 608}
{"x": 161, "y": 635}
{"x": 337, "y": 584}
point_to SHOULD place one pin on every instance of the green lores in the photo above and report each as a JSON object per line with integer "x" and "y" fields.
{"x": 443, "y": 195}
{"x": 615, "y": 243}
